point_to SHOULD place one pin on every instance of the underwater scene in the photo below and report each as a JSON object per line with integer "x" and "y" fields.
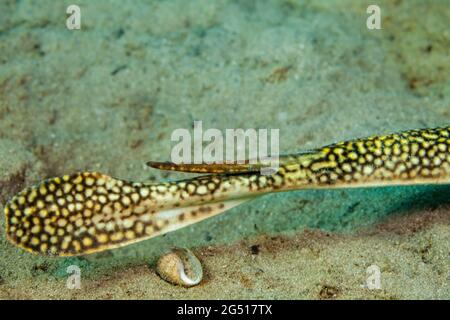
{"x": 225, "y": 149}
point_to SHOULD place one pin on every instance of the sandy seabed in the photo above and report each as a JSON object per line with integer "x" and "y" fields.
{"x": 107, "y": 98}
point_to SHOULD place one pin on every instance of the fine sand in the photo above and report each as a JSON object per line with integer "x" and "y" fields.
{"x": 107, "y": 98}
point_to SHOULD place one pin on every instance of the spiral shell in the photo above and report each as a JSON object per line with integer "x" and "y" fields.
{"x": 180, "y": 267}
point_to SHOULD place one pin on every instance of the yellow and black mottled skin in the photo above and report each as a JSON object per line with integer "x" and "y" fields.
{"x": 90, "y": 212}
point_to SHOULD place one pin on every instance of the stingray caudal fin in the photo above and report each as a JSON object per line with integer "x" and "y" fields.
{"x": 89, "y": 212}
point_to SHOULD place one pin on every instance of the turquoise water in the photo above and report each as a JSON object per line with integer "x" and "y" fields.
{"x": 108, "y": 96}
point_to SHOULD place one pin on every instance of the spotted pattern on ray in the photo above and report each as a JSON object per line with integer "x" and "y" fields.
{"x": 90, "y": 212}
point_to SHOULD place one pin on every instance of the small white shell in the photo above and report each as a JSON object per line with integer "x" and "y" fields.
{"x": 180, "y": 267}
